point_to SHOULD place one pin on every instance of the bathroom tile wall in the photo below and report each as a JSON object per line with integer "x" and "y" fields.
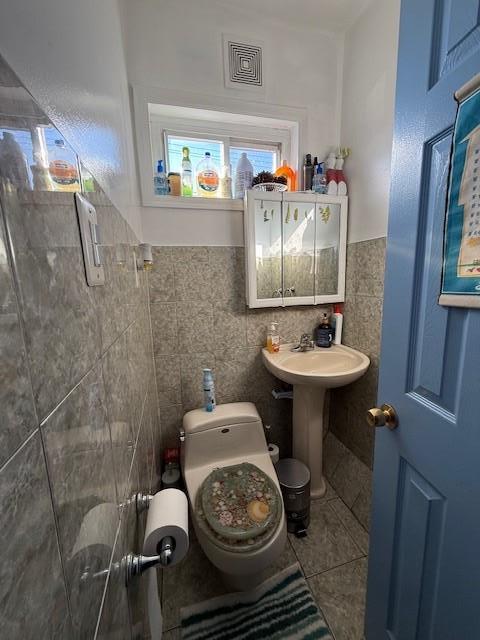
{"x": 362, "y": 330}
{"x": 200, "y": 319}
{"x": 79, "y": 429}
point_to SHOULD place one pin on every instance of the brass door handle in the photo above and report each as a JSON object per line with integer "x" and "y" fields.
{"x": 385, "y": 416}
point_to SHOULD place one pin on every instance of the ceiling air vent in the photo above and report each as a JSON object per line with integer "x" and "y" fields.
{"x": 243, "y": 63}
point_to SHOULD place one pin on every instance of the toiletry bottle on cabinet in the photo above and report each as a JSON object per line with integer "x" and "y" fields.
{"x": 288, "y": 173}
{"x": 319, "y": 184}
{"x": 307, "y": 173}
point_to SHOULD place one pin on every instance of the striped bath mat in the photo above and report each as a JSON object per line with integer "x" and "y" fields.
{"x": 282, "y": 608}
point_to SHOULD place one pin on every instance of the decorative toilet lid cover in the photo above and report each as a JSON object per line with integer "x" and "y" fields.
{"x": 239, "y": 506}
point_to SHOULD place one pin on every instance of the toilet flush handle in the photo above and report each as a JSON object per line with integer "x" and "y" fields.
{"x": 182, "y": 435}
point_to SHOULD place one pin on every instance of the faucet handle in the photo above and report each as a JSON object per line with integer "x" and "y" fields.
{"x": 307, "y": 342}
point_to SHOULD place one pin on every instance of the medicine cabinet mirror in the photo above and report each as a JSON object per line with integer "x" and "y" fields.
{"x": 295, "y": 248}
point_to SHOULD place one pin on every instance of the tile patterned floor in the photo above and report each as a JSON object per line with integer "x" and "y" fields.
{"x": 333, "y": 558}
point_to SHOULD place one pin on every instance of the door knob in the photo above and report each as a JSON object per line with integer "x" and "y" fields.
{"x": 383, "y": 416}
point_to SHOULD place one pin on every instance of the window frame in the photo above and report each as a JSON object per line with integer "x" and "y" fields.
{"x": 244, "y": 135}
{"x": 241, "y": 122}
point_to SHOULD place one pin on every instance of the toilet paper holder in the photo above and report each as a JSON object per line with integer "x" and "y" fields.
{"x": 135, "y": 564}
{"x": 142, "y": 501}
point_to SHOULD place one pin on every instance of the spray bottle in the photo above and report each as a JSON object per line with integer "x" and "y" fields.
{"x": 208, "y": 390}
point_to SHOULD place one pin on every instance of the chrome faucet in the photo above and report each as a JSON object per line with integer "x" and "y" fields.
{"x": 306, "y": 343}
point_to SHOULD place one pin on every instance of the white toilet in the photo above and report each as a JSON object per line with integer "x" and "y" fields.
{"x": 230, "y": 435}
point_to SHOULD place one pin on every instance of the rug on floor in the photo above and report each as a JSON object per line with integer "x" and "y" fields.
{"x": 281, "y": 608}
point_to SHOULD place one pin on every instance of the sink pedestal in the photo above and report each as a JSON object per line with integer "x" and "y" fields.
{"x": 308, "y": 404}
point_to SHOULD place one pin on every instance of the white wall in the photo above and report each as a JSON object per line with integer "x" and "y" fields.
{"x": 177, "y": 45}
{"x": 370, "y": 64}
{"x": 70, "y": 56}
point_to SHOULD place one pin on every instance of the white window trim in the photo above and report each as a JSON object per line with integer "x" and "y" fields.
{"x": 284, "y": 125}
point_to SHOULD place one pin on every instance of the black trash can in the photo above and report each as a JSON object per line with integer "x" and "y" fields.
{"x": 294, "y": 479}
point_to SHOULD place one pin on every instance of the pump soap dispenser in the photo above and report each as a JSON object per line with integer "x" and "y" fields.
{"x": 273, "y": 338}
{"x": 324, "y": 333}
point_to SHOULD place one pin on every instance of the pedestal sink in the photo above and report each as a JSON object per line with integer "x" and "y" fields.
{"x": 311, "y": 373}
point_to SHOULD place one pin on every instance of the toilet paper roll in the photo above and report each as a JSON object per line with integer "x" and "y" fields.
{"x": 274, "y": 452}
{"x": 155, "y": 619}
{"x": 167, "y": 516}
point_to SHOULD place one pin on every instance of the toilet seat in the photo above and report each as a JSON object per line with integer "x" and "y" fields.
{"x": 214, "y": 499}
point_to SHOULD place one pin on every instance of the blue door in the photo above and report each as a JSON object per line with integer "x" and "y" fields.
{"x": 424, "y": 572}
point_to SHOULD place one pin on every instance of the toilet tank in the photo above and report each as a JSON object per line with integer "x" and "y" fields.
{"x": 230, "y": 431}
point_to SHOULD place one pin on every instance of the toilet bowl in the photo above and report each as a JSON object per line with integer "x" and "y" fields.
{"x": 230, "y": 435}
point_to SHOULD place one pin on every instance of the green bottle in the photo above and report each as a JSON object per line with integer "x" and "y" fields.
{"x": 187, "y": 177}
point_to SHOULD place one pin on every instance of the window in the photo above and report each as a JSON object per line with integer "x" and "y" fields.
{"x": 164, "y": 128}
{"x": 224, "y": 152}
{"x": 262, "y": 157}
{"x": 197, "y": 148}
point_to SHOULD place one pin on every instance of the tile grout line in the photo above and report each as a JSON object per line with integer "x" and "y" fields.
{"x": 353, "y": 514}
{"x": 317, "y": 603}
{"x": 345, "y": 528}
{"x": 343, "y": 564}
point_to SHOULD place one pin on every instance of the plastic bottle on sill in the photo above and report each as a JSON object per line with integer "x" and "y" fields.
{"x": 160, "y": 182}
{"x": 207, "y": 177}
{"x": 225, "y": 183}
{"x": 187, "y": 174}
{"x": 243, "y": 176}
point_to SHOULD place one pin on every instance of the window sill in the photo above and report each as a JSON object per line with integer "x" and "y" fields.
{"x": 179, "y": 202}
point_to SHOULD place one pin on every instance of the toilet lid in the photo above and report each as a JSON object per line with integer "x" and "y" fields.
{"x": 238, "y": 507}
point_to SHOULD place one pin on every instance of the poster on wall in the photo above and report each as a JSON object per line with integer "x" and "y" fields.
{"x": 461, "y": 259}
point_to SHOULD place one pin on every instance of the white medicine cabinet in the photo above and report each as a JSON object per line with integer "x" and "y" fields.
{"x": 295, "y": 248}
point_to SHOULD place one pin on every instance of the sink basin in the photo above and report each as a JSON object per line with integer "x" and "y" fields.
{"x": 333, "y": 367}
{"x": 311, "y": 373}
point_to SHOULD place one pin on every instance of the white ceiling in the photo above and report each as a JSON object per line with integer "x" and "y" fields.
{"x": 326, "y": 15}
